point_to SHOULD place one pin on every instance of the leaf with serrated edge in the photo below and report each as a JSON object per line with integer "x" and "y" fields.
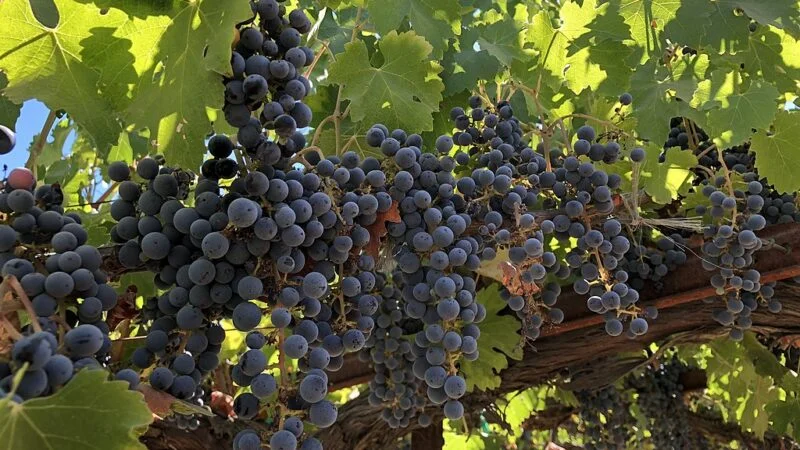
{"x": 400, "y": 92}
{"x": 46, "y": 63}
{"x": 435, "y": 20}
{"x": 777, "y": 154}
{"x": 9, "y": 111}
{"x": 665, "y": 181}
{"x": 645, "y": 19}
{"x": 88, "y": 413}
{"x": 499, "y": 340}
{"x": 184, "y": 79}
{"x": 502, "y": 40}
{"x": 739, "y": 113}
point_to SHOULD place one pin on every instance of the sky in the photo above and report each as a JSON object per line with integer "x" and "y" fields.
{"x": 30, "y": 122}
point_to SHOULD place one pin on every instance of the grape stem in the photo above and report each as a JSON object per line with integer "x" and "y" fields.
{"x": 728, "y": 183}
{"x": 240, "y": 160}
{"x": 706, "y": 151}
{"x": 594, "y": 119}
{"x": 62, "y": 318}
{"x": 37, "y": 147}
{"x": 26, "y": 302}
{"x": 103, "y": 198}
{"x": 317, "y": 57}
{"x": 341, "y": 296}
{"x": 10, "y": 328}
{"x": 284, "y": 374}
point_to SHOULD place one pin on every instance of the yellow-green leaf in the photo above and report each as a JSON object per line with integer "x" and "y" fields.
{"x": 88, "y": 413}
{"x": 499, "y": 341}
{"x": 400, "y": 92}
{"x": 777, "y": 152}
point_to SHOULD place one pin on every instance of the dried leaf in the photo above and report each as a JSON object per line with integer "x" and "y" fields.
{"x": 378, "y": 228}
{"x": 513, "y": 282}
{"x": 162, "y": 404}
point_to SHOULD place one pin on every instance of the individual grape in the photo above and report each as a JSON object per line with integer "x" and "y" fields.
{"x": 638, "y": 154}
{"x": 455, "y": 387}
{"x": 586, "y": 133}
{"x": 8, "y": 140}
{"x": 453, "y": 410}
{"x": 155, "y": 245}
{"x": 59, "y": 370}
{"x": 263, "y": 385}
{"x": 57, "y": 284}
{"x": 313, "y": 388}
{"x": 246, "y": 316}
{"x": 625, "y": 99}
{"x": 33, "y": 384}
{"x": 83, "y": 340}
{"x": 20, "y": 201}
{"x": 614, "y": 327}
{"x": 34, "y": 350}
{"x": 243, "y": 212}
{"x": 295, "y": 346}
{"x": 638, "y": 326}
{"x": 314, "y": 285}
{"x": 323, "y": 414}
{"x": 283, "y": 440}
{"x": 250, "y": 288}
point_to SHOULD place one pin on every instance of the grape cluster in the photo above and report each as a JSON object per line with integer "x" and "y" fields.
{"x": 399, "y": 364}
{"x": 436, "y": 262}
{"x": 511, "y": 179}
{"x": 266, "y": 67}
{"x": 650, "y": 260}
{"x": 609, "y": 403}
{"x": 288, "y": 244}
{"x": 729, "y": 252}
{"x": 660, "y": 399}
{"x": 47, "y": 251}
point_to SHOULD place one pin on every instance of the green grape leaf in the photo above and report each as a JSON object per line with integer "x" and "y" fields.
{"x": 143, "y": 281}
{"x": 576, "y": 54}
{"x": 436, "y": 20}
{"x": 777, "y": 154}
{"x": 785, "y": 416}
{"x": 53, "y": 151}
{"x": 609, "y": 24}
{"x": 740, "y": 112}
{"x": 652, "y": 107}
{"x": 665, "y": 181}
{"x": 551, "y": 45}
{"x": 499, "y": 341}
{"x": 655, "y": 89}
{"x": 503, "y": 40}
{"x": 46, "y": 63}
{"x": 9, "y": 111}
{"x": 775, "y": 55}
{"x": 778, "y": 13}
{"x": 645, "y": 19}
{"x": 738, "y": 387}
{"x": 463, "y": 69}
{"x": 184, "y": 78}
{"x": 725, "y": 32}
{"x": 688, "y": 26}
{"x": 400, "y": 92}
{"x": 517, "y": 407}
{"x": 88, "y": 413}
{"x": 472, "y": 441}
{"x": 98, "y": 226}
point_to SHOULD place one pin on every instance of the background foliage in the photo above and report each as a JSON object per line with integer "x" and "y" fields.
{"x": 143, "y": 77}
